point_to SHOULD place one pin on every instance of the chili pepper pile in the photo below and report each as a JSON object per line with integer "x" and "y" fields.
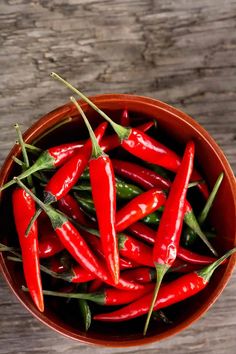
{"x": 120, "y": 231}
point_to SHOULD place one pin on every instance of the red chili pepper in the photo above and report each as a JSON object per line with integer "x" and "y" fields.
{"x": 92, "y": 238}
{"x": 81, "y": 275}
{"x": 138, "y": 143}
{"x": 150, "y": 180}
{"x": 139, "y": 207}
{"x": 135, "y": 250}
{"x": 57, "y": 265}
{"x": 149, "y": 235}
{"x": 170, "y": 227}
{"x": 66, "y": 177}
{"x": 70, "y": 237}
{"x": 107, "y": 297}
{"x": 141, "y": 275}
{"x": 127, "y": 264}
{"x": 24, "y": 209}
{"x": 71, "y": 208}
{"x": 169, "y": 294}
{"x": 49, "y": 244}
{"x": 139, "y": 174}
{"x": 95, "y": 285}
{"x": 125, "y": 120}
{"x": 112, "y": 141}
{"x": 49, "y": 159}
{"x": 102, "y": 179}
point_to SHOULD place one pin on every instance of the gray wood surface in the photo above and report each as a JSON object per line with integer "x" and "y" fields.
{"x": 182, "y": 52}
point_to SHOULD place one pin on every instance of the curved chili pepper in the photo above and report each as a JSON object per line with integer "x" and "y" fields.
{"x": 127, "y": 264}
{"x": 139, "y": 174}
{"x": 70, "y": 237}
{"x": 70, "y": 207}
{"x": 49, "y": 244}
{"x": 49, "y": 159}
{"x": 141, "y": 275}
{"x": 93, "y": 240}
{"x": 169, "y": 294}
{"x": 23, "y": 210}
{"x": 139, "y": 207}
{"x": 102, "y": 177}
{"x": 170, "y": 227}
{"x": 81, "y": 275}
{"x": 111, "y": 142}
{"x": 149, "y": 235}
{"x": 138, "y": 143}
{"x": 135, "y": 250}
{"x": 66, "y": 177}
{"x": 107, "y": 297}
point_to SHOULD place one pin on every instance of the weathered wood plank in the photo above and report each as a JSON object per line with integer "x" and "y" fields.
{"x": 182, "y": 52}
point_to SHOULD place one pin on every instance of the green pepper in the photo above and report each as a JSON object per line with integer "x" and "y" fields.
{"x": 85, "y": 309}
{"x": 123, "y": 190}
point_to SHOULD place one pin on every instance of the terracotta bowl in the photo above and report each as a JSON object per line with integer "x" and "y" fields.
{"x": 175, "y": 128}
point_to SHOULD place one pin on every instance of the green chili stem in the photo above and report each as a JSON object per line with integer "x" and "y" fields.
{"x": 66, "y": 277}
{"x": 57, "y": 218}
{"x": 210, "y": 200}
{"x": 96, "y": 149}
{"x": 122, "y": 132}
{"x": 18, "y": 161}
{"x": 161, "y": 270}
{"x": 95, "y": 297}
{"x": 33, "y": 148}
{"x": 207, "y": 272}
{"x": 24, "y": 153}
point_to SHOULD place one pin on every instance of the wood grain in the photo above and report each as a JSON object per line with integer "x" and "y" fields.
{"x": 182, "y": 52}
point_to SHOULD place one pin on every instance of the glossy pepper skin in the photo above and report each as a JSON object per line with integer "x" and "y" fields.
{"x": 23, "y": 209}
{"x": 67, "y": 176}
{"x": 169, "y": 294}
{"x": 169, "y": 230}
{"x": 139, "y": 174}
{"x": 135, "y": 250}
{"x": 49, "y": 159}
{"x": 141, "y": 145}
{"x": 148, "y": 235}
{"x": 139, "y": 207}
{"x": 103, "y": 180}
{"x": 107, "y": 297}
{"x": 111, "y": 142}
{"x": 170, "y": 227}
{"x": 95, "y": 243}
{"x": 125, "y": 119}
{"x": 141, "y": 274}
{"x": 137, "y": 142}
{"x": 69, "y": 206}
{"x": 49, "y": 244}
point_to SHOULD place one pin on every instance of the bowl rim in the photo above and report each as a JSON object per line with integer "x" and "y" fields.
{"x": 49, "y": 120}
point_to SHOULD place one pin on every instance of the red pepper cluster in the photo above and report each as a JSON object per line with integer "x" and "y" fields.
{"x": 93, "y": 236}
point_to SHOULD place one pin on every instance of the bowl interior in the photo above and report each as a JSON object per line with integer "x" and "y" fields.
{"x": 173, "y": 128}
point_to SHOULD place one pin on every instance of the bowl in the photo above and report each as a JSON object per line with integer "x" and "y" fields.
{"x": 173, "y": 127}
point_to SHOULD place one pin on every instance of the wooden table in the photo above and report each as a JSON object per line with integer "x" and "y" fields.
{"x": 182, "y": 52}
